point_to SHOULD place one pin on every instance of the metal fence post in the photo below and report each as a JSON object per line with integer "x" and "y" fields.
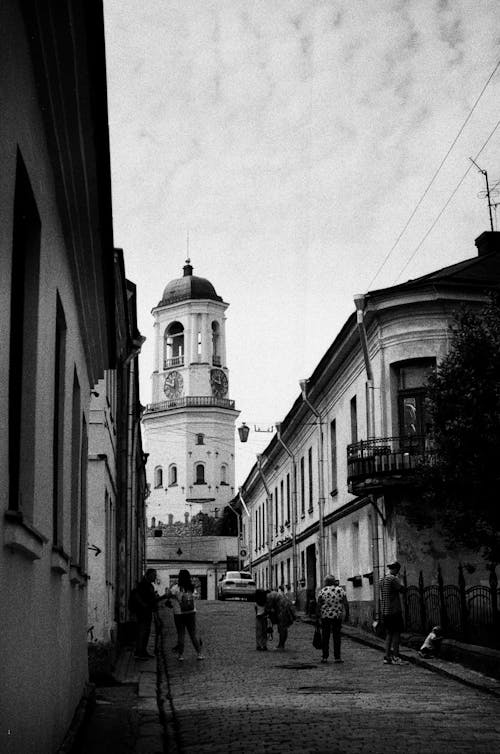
{"x": 421, "y": 595}
{"x": 443, "y": 615}
{"x": 464, "y": 613}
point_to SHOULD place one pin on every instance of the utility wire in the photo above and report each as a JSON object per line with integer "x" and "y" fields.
{"x": 447, "y": 202}
{"x": 436, "y": 173}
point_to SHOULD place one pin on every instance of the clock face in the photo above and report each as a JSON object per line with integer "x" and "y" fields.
{"x": 218, "y": 382}
{"x": 172, "y": 387}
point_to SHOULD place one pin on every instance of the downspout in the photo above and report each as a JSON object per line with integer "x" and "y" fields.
{"x": 359, "y": 301}
{"x": 269, "y": 518}
{"x": 321, "y": 486}
{"x": 294, "y": 511}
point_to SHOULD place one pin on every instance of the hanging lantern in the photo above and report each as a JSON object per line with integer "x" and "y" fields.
{"x": 243, "y": 432}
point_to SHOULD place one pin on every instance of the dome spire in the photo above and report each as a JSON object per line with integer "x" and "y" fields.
{"x": 188, "y": 268}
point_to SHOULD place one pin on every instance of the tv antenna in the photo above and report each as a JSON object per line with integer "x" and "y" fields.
{"x": 488, "y": 193}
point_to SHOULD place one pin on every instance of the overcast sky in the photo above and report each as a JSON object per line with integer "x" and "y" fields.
{"x": 294, "y": 139}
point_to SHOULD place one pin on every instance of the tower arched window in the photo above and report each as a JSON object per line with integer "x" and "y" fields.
{"x": 223, "y": 474}
{"x": 158, "y": 476}
{"x": 200, "y": 439}
{"x": 173, "y": 346}
{"x": 199, "y": 471}
{"x": 216, "y": 357}
{"x": 172, "y": 475}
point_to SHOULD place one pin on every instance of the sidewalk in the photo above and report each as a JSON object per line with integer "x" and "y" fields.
{"x": 457, "y": 671}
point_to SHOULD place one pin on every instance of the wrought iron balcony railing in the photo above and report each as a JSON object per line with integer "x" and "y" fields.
{"x": 370, "y": 462}
{"x": 189, "y": 401}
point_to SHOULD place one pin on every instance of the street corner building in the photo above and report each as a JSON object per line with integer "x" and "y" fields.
{"x": 324, "y": 496}
{"x": 70, "y": 444}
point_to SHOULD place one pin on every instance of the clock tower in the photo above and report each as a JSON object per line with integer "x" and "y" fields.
{"x": 189, "y": 426}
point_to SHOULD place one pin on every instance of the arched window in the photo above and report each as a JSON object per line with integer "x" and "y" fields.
{"x": 173, "y": 346}
{"x": 223, "y": 474}
{"x": 200, "y": 439}
{"x": 216, "y": 358}
{"x": 199, "y": 473}
{"x": 158, "y": 476}
{"x": 172, "y": 475}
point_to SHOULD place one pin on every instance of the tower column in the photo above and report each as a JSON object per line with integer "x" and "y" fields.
{"x": 223, "y": 342}
{"x": 206, "y": 339}
{"x": 157, "y": 340}
{"x": 194, "y": 340}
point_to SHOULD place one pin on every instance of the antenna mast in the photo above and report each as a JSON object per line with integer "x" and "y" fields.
{"x": 487, "y": 193}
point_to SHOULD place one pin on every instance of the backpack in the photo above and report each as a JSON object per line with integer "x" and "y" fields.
{"x": 186, "y": 601}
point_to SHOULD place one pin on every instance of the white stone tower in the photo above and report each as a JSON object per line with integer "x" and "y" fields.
{"x": 189, "y": 426}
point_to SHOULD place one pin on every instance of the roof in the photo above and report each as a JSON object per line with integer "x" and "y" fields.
{"x": 188, "y": 287}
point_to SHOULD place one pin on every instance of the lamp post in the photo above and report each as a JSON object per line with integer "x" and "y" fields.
{"x": 294, "y": 509}
{"x": 321, "y": 492}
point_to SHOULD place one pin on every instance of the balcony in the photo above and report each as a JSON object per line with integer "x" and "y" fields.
{"x": 386, "y": 461}
{"x": 175, "y": 361}
{"x": 196, "y": 401}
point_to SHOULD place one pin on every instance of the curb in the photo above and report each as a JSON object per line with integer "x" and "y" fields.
{"x": 461, "y": 674}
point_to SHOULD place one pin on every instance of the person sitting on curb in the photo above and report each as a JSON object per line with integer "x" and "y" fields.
{"x": 432, "y": 644}
{"x": 391, "y": 613}
{"x": 332, "y": 605}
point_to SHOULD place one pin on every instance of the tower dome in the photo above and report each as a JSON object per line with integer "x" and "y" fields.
{"x": 188, "y": 287}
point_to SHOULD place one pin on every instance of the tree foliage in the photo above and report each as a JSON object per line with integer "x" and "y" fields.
{"x": 460, "y": 487}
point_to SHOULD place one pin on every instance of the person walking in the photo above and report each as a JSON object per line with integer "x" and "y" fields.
{"x": 261, "y": 620}
{"x": 182, "y": 596}
{"x": 282, "y": 615}
{"x": 391, "y": 612}
{"x": 144, "y": 602}
{"x": 332, "y": 607}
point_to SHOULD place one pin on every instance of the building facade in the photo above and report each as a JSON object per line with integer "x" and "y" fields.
{"x": 58, "y": 325}
{"x": 189, "y": 427}
{"x": 323, "y": 497}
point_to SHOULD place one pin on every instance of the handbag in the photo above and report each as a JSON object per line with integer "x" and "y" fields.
{"x": 317, "y": 638}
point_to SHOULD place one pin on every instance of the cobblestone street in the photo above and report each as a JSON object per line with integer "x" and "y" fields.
{"x": 241, "y": 700}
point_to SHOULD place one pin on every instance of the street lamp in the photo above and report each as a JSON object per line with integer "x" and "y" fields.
{"x": 243, "y": 432}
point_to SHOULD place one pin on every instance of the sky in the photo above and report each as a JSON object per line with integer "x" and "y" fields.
{"x": 311, "y": 149}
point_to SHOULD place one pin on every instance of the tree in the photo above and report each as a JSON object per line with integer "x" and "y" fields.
{"x": 460, "y": 487}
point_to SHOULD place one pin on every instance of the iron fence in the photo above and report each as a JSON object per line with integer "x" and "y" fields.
{"x": 467, "y": 613}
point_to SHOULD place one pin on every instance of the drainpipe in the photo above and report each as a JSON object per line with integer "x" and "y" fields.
{"x": 321, "y": 492}
{"x": 269, "y": 518}
{"x": 359, "y": 301}
{"x": 294, "y": 510}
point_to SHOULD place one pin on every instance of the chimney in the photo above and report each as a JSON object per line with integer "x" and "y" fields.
{"x": 487, "y": 242}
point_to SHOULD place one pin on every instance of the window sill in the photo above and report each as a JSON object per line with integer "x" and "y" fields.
{"x": 173, "y": 484}
{"x": 59, "y": 560}
{"x": 76, "y": 576}
{"x": 334, "y": 492}
{"x": 21, "y": 536}
{"x": 199, "y": 484}
{"x": 302, "y": 515}
{"x": 310, "y": 510}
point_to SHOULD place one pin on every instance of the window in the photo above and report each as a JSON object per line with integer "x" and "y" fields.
{"x": 158, "y": 477}
{"x": 76, "y": 440}
{"x": 354, "y": 420}
{"x": 276, "y": 522}
{"x": 58, "y": 427}
{"x": 302, "y": 488}
{"x": 288, "y": 518}
{"x": 310, "y": 472}
{"x": 282, "y": 503}
{"x": 200, "y": 439}
{"x": 216, "y": 357}
{"x": 355, "y": 548}
{"x": 223, "y": 474}
{"x": 23, "y": 343}
{"x": 333, "y": 452}
{"x": 414, "y": 419}
{"x": 200, "y": 473}
{"x": 174, "y": 345}
{"x": 172, "y": 475}
{"x": 82, "y": 554}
